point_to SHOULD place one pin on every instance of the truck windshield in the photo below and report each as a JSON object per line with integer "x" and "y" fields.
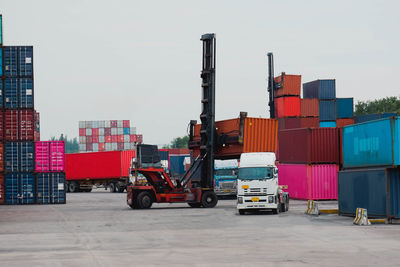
{"x": 226, "y": 172}
{"x": 255, "y": 173}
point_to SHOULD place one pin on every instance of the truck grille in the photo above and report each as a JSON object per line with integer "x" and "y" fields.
{"x": 227, "y": 185}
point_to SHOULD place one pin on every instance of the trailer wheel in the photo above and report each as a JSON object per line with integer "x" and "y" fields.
{"x": 119, "y": 188}
{"x": 112, "y": 187}
{"x": 73, "y": 187}
{"x": 194, "y": 204}
{"x": 209, "y": 199}
{"x": 144, "y": 200}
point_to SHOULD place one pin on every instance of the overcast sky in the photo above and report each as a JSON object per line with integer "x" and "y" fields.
{"x": 141, "y": 60}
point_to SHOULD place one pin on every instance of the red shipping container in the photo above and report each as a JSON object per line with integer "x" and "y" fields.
{"x": 290, "y": 85}
{"x": 19, "y": 125}
{"x": 102, "y": 147}
{"x": 107, "y": 131}
{"x": 89, "y": 147}
{"x": 126, "y": 124}
{"x": 1, "y": 157}
{"x": 114, "y": 138}
{"x": 95, "y": 139}
{"x": 178, "y": 151}
{"x": 98, "y": 165}
{"x": 89, "y": 140}
{"x": 2, "y": 189}
{"x": 133, "y": 138}
{"x": 120, "y": 146}
{"x": 308, "y": 146}
{"x": 108, "y": 138}
{"x": 95, "y": 131}
{"x": 82, "y": 131}
{"x": 340, "y": 123}
{"x": 309, "y": 107}
{"x": 113, "y": 124}
{"x": 289, "y": 123}
{"x": 120, "y": 138}
{"x": 309, "y": 122}
{"x": 288, "y": 106}
{"x": 1, "y": 125}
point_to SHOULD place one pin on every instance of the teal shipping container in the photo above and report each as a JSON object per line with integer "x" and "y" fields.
{"x": 374, "y": 143}
{"x": 344, "y": 108}
{"x": 327, "y": 124}
{"x": 375, "y": 189}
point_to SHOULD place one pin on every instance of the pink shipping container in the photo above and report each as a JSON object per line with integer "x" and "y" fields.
{"x": 89, "y": 139}
{"x": 95, "y": 131}
{"x": 314, "y": 182}
{"x": 108, "y": 139}
{"x": 50, "y": 156}
{"x": 133, "y": 138}
{"x": 126, "y": 124}
{"x": 95, "y": 139}
{"x": 107, "y": 131}
{"x": 114, "y": 138}
{"x": 82, "y": 131}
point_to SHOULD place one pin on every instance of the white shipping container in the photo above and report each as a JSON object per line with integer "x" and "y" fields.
{"x": 82, "y": 140}
{"x": 120, "y": 124}
{"x": 101, "y": 131}
{"x": 107, "y": 124}
{"x": 82, "y": 147}
{"x": 82, "y": 124}
{"x": 95, "y": 124}
{"x": 120, "y": 131}
{"x": 114, "y": 131}
{"x": 101, "y": 139}
{"x": 108, "y": 146}
{"x": 133, "y": 130}
{"x": 96, "y": 147}
{"x": 114, "y": 146}
{"x": 127, "y": 146}
{"x": 127, "y": 138}
{"x": 88, "y": 124}
{"x": 88, "y": 132}
{"x": 101, "y": 124}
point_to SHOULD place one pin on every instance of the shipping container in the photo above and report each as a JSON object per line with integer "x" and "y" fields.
{"x": 19, "y": 125}
{"x": 287, "y": 106}
{"x": 107, "y": 124}
{"x": 19, "y": 156}
{"x": 327, "y": 124}
{"x": 88, "y": 124}
{"x": 107, "y": 131}
{"x": 99, "y": 165}
{"x": 88, "y": 131}
{"x": 289, "y": 85}
{"x": 95, "y": 139}
{"x": 289, "y": 123}
{"x": 108, "y": 138}
{"x": 82, "y": 131}
{"x": 314, "y": 182}
{"x": 101, "y": 131}
{"x": 132, "y": 130}
{"x": 50, "y": 188}
{"x": 1, "y": 125}
{"x": 102, "y": 124}
{"x": 82, "y": 139}
{"x": 374, "y": 143}
{"x": 89, "y": 147}
{"x": 18, "y": 93}
{"x": 120, "y": 131}
{"x": 309, "y": 122}
{"x": 89, "y": 139}
{"x": 20, "y": 188}
{"x": 309, "y": 146}
{"x": 309, "y": 107}
{"x": 95, "y": 147}
{"x": 102, "y": 147}
{"x": 1, "y": 64}
{"x": 49, "y": 156}
{"x": 320, "y": 89}
{"x": 102, "y": 139}
{"x": 340, "y": 123}
{"x": 344, "y": 108}
{"x": 95, "y": 131}
{"x": 1, "y": 30}
{"x": 82, "y": 124}
{"x": 113, "y": 124}
{"x": 82, "y": 147}
{"x": 108, "y": 146}
{"x": 114, "y": 131}
{"x": 95, "y": 124}
{"x": 120, "y": 146}
{"x": 126, "y": 130}
{"x": 10, "y": 61}
{"x": 376, "y": 189}
{"x": 2, "y": 189}
{"x": 372, "y": 117}
{"x": 126, "y": 124}
{"x": 327, "y": 110}
{"x": 120, "y": 124}
{"x": 1, "y": 157}
{"x": 18, "y": 61}
{"x": 176, "y": 165}
{"x": 132, "y": 138}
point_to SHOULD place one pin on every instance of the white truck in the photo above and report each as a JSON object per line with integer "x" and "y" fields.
{"x": 257, "y": 184}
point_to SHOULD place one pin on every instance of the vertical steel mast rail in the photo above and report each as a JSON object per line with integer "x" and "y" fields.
{"x": 271, "y": 85}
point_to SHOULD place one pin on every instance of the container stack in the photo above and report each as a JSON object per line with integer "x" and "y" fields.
{"x": 175, "y": 160}
{"x": 370, "y": 177}
{"x": 372, "y": 117}
{"x": 109, "y": 135}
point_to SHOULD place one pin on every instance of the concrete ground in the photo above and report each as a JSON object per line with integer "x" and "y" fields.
{"x": 99, "y": 229}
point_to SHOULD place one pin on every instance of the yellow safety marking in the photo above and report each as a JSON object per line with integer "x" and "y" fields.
{"x": 329, "y": 211}
{"x": 377, "y": 220}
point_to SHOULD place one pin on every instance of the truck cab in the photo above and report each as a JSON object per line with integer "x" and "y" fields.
{"x": 257, "y": 184}
{"x": 225, "y": 175}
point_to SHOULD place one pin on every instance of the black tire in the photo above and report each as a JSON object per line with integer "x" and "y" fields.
{"x": 194, "y": 204}
{"x": 242, "y": 212}
{"x": 144, "y": 200}
{"x": 277, "y": 210}
{"x": 112, "y": 187}
{"x": 209, "y": 199}
{"x": 73, "y": 187}
{"x": 287, "y": 206}
{"x": 119, "y": 188}
{"x": 283, "y": 207}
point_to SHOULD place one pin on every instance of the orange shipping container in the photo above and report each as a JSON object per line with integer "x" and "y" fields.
{"x": 340, "y": 123}
{"x": 309, "y": 107}
{"x": 256, "y": 135}
{"x": 290, "y": 85}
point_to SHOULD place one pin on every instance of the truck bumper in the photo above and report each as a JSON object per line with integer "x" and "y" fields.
{"x": 225, "y": 192}
{"x": 256, "y": 202}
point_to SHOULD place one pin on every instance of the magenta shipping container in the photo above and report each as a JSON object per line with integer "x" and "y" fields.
{"x": 314, "y": 182}
{"x": 50, "y": 156}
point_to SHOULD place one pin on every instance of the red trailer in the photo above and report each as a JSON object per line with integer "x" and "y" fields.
{"x": 109, "y": 169}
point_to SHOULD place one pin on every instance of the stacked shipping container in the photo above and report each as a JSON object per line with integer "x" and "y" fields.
{"x": 110, "y": 135}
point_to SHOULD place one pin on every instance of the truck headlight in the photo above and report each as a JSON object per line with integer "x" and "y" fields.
{"x": 270, "y": 199}
{"x": 240, "y": 200}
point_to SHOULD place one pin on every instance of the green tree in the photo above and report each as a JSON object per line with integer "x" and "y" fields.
{"x": 71, "y": 145}
{"x": 179, "y": 142}
{"x": 387, "y": 104}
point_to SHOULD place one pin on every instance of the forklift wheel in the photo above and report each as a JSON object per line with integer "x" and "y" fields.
{"x": 195, "y": 205}
{"x": 144, "y": 200}
{"x": 209, "y": 199}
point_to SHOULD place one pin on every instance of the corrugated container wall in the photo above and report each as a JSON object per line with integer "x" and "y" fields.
{"x": 18, "y": 93}
{"x": 50, "y": 188}
{"x": 309, "y": 107}
{"x": 340, "y": 123}
{"x": 374, "y": 143}
{"x": 377, "y": 190}
{"x": 321, "y": 89}
{"x": 372, "y": 117}
{"x": 327, "y": 124}
{"x": 18, "y": 61}
{"x": 49, "y": 156}
{"x": 1, "y": 157}
{"x": 19, "y": 125}
{"x": 1, "y": 59}
{"x": 2, "y": 189}
{"x": 344, "y": 108}
{"x": 309, "y": 122}
{"x": 289, "y": 123}
{"x": 19, "y": 156}
{"x": 309, "y": 146}
{"x": 1, "y": 30}
{"x": 327, "y": 110}
{"x": 20, "y": 188}
{"x": 317, "y": 182}
{"x": 290, "y": 85}
{"x": 287, "y": 106}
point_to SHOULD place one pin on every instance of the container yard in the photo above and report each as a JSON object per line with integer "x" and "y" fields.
{"x": 282, "y": 153}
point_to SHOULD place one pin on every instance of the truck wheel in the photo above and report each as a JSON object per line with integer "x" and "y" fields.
{"x": 276, "y": 211}
{"x": 283, "y": 207}
{"x": 209, "y": 199}
{"x": 119, "y": 188}
{"x": 287, "y": 206}
{"x": 144, "y": 200}
{"x": 194, "y": 204}
{"x": 242, "y": 212}
{"x": 73, "y": 187}
{"x": 111, "y": 187}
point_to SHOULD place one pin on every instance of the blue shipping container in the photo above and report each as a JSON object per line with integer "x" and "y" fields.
{"x": 164, "y": 155}
{"x": 327, "y": 110}
{"x": 177, "y": 167}
{"x": 1, "y": 94}
{"x": 321, "y": 89}
{"x": 377, "y": 190}
{"x": 19, "y": 156}
{"x": 19, "y": 188}
{"x": 344, "y": 108}
{"x": 1, "y": 60}
{"x": 127, "y": 130}
{"x": 18, "y": 61}
{"x": 50, "y": 188}
{"x": 327, "y": 124}
{"x": 18, "y": 93}
{"x": 1, "y": 29}
{"x": 374, "y": 143}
